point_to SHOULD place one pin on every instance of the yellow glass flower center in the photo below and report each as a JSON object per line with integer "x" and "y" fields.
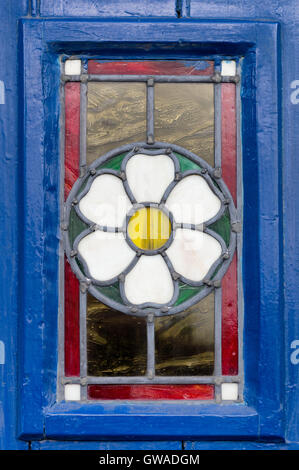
{"x": 149, "y": 228}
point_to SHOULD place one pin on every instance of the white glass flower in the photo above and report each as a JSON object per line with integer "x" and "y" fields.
{"x": 149, "y": 228}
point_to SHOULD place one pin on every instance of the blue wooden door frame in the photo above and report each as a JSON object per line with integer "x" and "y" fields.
{"x": 40, "y": 415}
{"x": 30, "y": 200}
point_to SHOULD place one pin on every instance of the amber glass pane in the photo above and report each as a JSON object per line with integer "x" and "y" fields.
{"x": 185, "y": 342}
{"x": 116, "y": 343}
{"x": 184, "y": 115}
{"x": 116, "y": 115}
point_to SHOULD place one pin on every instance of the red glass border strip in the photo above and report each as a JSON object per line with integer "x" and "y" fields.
{"x": 230, "y": 320}
{"x": 71, "y": 283}
{"x": 72, "y": 135}
{"x": 151, "y": 392}
{"x": 228, "y": 137}
{"x": 151, "y": 67}
{"x": 71, "y": 328}
{"x": 230, "y": 281}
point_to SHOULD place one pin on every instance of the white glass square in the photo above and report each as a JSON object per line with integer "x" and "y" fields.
{"x": 228, "y": 68}
{"x": 229, "y": 391}
{"x": 72, "y": 392}
{"x": 72, "y": 67}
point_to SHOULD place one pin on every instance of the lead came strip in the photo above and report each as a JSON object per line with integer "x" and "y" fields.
{"x": 218, "y": 292}
{"x": 239, "y": 235}
{"x": 83, "y": 295}
{"x": 61, "y": 309}
{"x": 150, "y": 111}
{"x": 157, "y": 78}
{"x": 150, "y": 346}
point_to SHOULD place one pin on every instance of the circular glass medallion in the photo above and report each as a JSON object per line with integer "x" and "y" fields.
{"x": 149, "y": 228}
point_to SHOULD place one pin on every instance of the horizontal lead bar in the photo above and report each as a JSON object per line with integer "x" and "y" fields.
{"x": 154, "y": 380}
{"x": 144, "y": 78}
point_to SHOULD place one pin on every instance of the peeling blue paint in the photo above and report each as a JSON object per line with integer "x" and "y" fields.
{"x": 2, "y": 353}
{"x": 2, "y": 92}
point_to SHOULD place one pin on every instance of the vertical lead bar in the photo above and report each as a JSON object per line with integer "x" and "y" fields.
{"x": 60, "y": 390}
{"x": 217, "y": 124}
{"x": 150, "y": 110}
{"x": 239, "y": 235}
{"x": 218, "y": 346}
{"x": 150, "y": 346}
{"x": 83, "y": 118}
{"x": 83, "y": 295}
{"x": 218, "y": 292}
{"x": 83, "y": 345}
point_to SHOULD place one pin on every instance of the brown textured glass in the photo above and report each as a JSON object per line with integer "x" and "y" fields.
{"x": 184, "y": 115}
{"x": 116, "y": 115}
{"x": 116, "y": 343}
{"x": 185, "y": 342}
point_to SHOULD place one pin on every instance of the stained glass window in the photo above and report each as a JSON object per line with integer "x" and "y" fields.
{"x": 151, "y": 227}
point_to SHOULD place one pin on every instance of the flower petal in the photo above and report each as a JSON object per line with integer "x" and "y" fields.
{"x": 149, "y": 175}
{"x": 149, "y": 281}
{"x": 192, "y": 201}
{"x": 106, "y": 254}
{"x": 192, "y": 253}
{"x": 106, "y": 202}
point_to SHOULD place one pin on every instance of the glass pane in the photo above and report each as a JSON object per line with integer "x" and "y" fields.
{"x": 229, "y": 137}
{"x": 72, "y": 135}
{"x": 149, "y": 176}
{"x": 72, "y": 67}
{"x": 228, "y": 68}
{"x": 229, "y": 328}
{"x": 116, "y": 343}
{"x": 185, "y": 342}
{"x": 106, "y": 254}
{"x": 106, "y": 202}
{"x": 116, "y": 115}
{"x": 151, "y": 67}
{"x": 71, "y": 283}
{"x": 71, "y": 318}
{"x": 184, "y": 115}
{"x": 192, "y": 253}
{"x": 192, "y": 202}
{"x": 149, "y": 228}
{"x": 149, "y": 281}
{"x": 151, "y": 392}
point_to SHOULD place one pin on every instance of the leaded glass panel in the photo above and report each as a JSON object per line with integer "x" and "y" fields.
{"x": 151, "y": 229}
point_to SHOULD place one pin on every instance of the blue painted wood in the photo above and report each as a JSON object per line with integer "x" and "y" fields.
{"x": 270, "y": 9}
{"x": 116, "y": 445}
{"x": 147, "y": 420}
{"x": 110, "y": 8}
{"x": 231, "y": 445}
{"x": 9, "y": 188}
{"x": 42, "y": 42}
{"x": 32, "y": 249}
{"x": 270, "y": 308}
